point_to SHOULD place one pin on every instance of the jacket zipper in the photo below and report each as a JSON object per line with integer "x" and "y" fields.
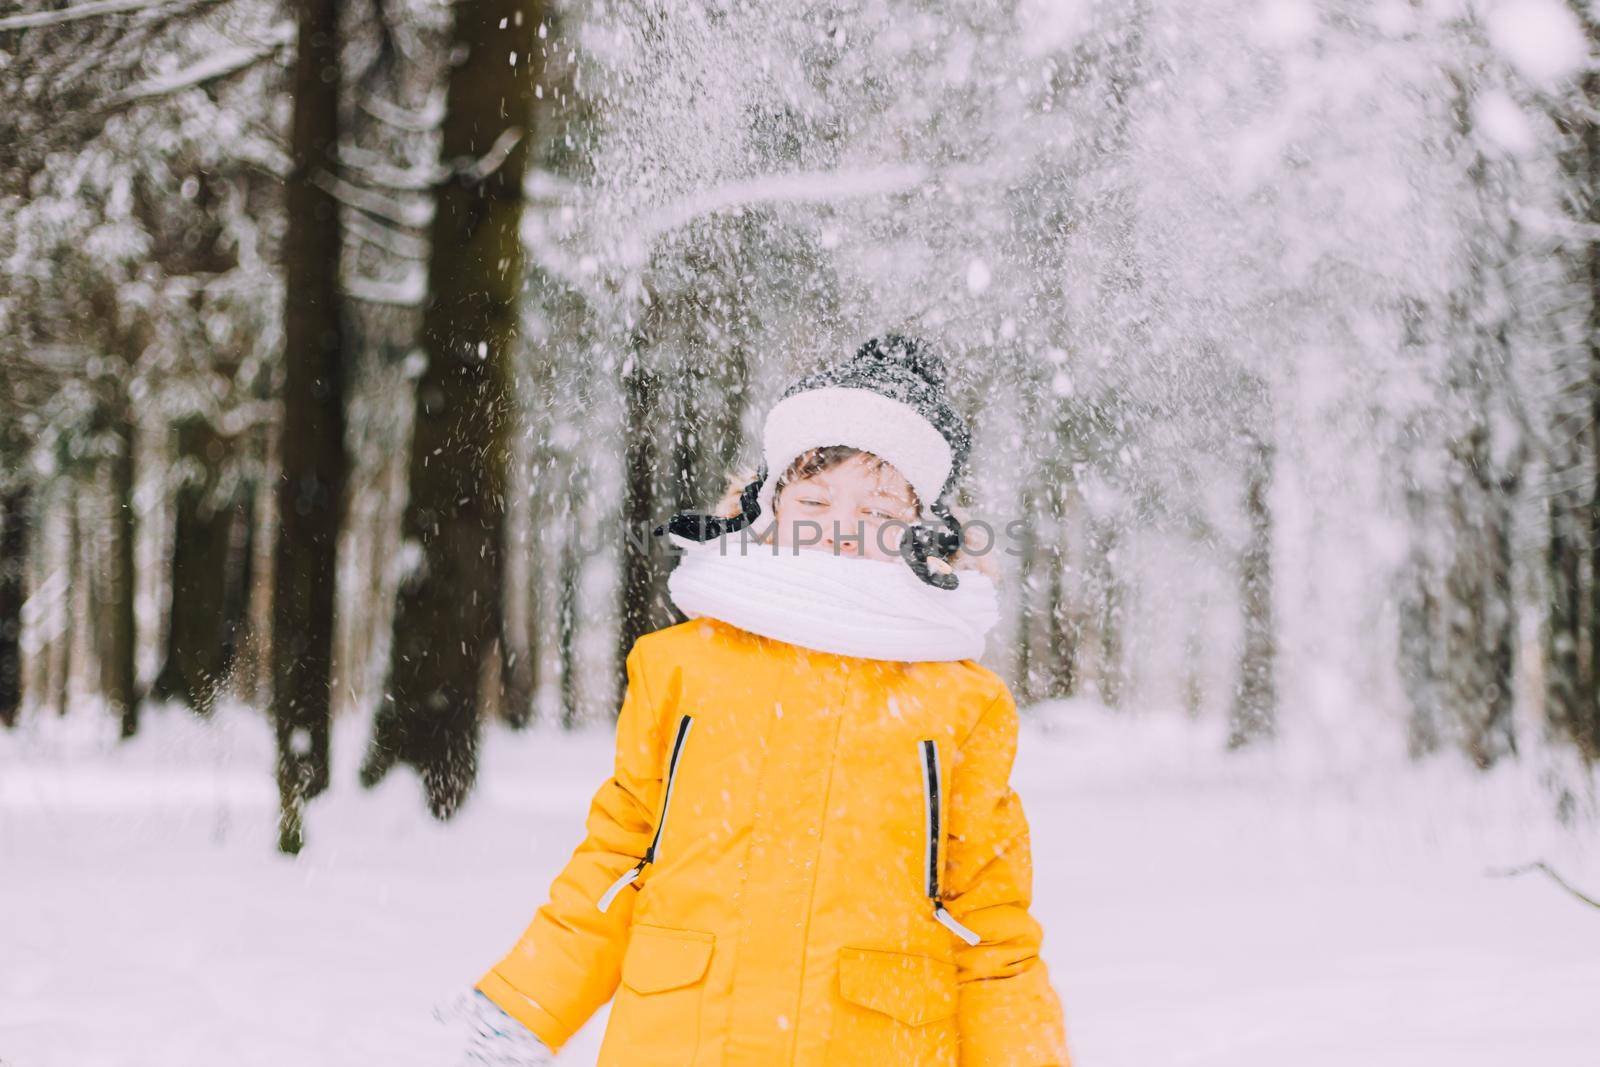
{"x": 930, "y": 795}
{"x": 650, "y": 853}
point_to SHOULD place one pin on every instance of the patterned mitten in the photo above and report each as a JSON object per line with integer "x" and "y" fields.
{"x": 490, "y": 1037}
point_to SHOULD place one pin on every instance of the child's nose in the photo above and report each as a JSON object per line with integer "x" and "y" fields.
{"x": 838, "y": 528}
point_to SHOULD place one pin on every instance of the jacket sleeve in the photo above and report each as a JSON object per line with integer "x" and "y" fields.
{"x": 568, "y": 961}
{"x": 1009, "y": 1013}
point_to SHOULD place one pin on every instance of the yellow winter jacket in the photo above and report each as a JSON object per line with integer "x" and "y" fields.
{"x": 788, "y": 865}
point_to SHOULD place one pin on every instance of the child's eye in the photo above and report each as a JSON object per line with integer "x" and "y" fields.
{"x": 812, "y": 500}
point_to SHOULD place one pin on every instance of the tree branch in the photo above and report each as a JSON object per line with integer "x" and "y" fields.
{"x": 396, "y": 243}
{"x": 214, "y": 68}
{"x": 401, "y": 118}
{"x": 475, "y": 171}
{"x": 35, "y": 19}
{"x": 413, "y": 213}
{"x": 407, "y": 292}
{"x": 1541, "y": 865}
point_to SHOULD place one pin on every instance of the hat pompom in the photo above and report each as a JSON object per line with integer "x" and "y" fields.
{"x": 908, "y": 352}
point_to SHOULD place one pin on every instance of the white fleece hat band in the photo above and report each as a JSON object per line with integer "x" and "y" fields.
{"x": 859, "y": 418}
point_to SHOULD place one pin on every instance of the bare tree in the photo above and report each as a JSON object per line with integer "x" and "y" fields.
{"x": 14, "y": 520}
{"x": 311, "y": 457}
{"x": 1572, "y": 562}
{"x": 1253, "y": 715}
{"x": 449, "y": 614}
{"x": 1478, "y": 609}
{"x": 210, "y": 567}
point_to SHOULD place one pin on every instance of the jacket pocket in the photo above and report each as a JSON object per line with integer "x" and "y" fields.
{"x": 655, "y": 1019}
{"x": 893, "y": 1007}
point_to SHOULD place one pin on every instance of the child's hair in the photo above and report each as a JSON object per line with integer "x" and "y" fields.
{"x": 815, "y": 461}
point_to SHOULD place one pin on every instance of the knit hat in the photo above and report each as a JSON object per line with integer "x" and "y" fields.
{"x": 888, "y": 399}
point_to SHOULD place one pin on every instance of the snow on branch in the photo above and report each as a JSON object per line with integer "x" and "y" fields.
{"x": 36, "y": 19}
{"x": 224, "y": 64}
{"x": 401, "y": 118}
{"x": 802, "y": 187}
{"x": 371, "y": 167}
{"x": 396, "y": 243}
{"x": 407, "y": 292}
{"x": 477, "y": 170}
{"x": 414, "y": 213}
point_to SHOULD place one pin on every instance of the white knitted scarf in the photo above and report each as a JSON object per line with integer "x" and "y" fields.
{"x": 845, "y": 604}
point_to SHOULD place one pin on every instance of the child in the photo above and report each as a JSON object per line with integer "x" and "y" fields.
{"x": 809, "y": 851}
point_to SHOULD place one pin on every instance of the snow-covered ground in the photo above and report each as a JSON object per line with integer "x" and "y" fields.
{"x": 1252, "y": 911}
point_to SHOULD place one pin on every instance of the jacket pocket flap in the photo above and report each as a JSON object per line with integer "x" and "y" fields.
{"x": 660, "y": 958}
{"x": 914, "y": 989}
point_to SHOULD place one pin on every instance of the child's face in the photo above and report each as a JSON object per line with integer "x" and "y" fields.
{"x": 849, "y": 509}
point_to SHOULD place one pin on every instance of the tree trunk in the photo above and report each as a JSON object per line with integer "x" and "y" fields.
{"x": 120, "y": 666}
{"x": 1107, "y": 589}
{"x": 1194, "y": 660}
{"x": 1480, "y": 614}
{"x": 72, "y": 568}
{"x": 1568, "y": 692}
{"x": 311, "y": 462}
{"x": 13, "y": 574}
{"x": 1419, "y": 624}
{"x": 1584, "y": 175}
{"x": 1061, "y": 612}
{"x": 449, "y": 613}
{"x": 1027, "y": 579}
{"x": 1479, "y": 609}
{"x": 1063, "y": 672}
{"x": 208, "y": 571}
{"x": 253, "y": 672}
{"x": 515, "y": 676}
{"x": 1253, "y": 715}
{"x": 1585, "y": 722}
{"x": 1419, "y": 627}
{"x": 570, "y": 577}
{"x": 637, "y": 585}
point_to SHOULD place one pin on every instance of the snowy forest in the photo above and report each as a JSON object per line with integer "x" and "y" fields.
{"x": 350, "y": 350}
